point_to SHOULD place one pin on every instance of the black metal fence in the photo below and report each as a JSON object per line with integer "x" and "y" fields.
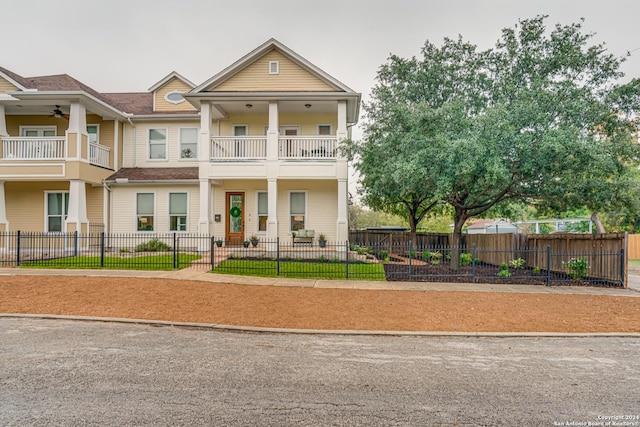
{"x": 401, "y": 261}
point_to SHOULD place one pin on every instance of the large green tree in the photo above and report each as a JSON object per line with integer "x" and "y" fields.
{"x": 540, "y": 118}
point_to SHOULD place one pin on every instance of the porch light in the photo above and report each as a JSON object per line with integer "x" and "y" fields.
{"x": 307, "y": 105}
{"x": 248, "y": 105}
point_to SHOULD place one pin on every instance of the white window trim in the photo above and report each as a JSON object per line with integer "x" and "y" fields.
{"x": 22, "y": 129}
{"x": 283, "y": 128}
{"x": 135, "y": 212}
{"x": 240, "y": 125}
{"x": 195, "y": 155}
{"x": 98, "y": 131}
{"x": 186, "y": 230}
{"x": 166, "y": 97}
{"x": 330, "y": 129}
{"x": 46, "y": 211}
{"x": 306, "y": 208}
{"x": 258, "y": 231}
{"x": 277, "y": 67}
{"x": 166, "y": 144}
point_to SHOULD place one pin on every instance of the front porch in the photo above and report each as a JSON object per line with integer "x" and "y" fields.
{"x": 235, "y": 148}
{"x": 21, "y": 149}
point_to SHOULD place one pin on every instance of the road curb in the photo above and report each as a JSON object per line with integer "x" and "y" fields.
{"x": 256, "y": 329}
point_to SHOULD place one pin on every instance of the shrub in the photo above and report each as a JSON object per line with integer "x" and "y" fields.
{"x": 465, "y": 259}
{"x": 536, "y": 270}
{"x": 412, "y": 254}
{"x": 124, "y": 250}
{"x": 435, "y": 258}
{"x": 504, "y": 266}
{"x": 517, "y": 263}
{"x": 154, "y": 245}
{"x": 576, "y": 267}
{"x": 504, "y": 273}
{"x": 383, "y": 254}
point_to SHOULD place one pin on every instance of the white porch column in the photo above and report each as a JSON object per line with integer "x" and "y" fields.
{"x": 272, "y": 208}
{"x": 204, "y": 147}
{"x": 116, "y": 144}
{"x": 341, "y": 130}
{"x": 204, "y": 156}
{"x": 3, "y": 122}
{"x": 272, "y": 132}
{"x": 77, "y": 137}
{"x": 204, "y": 221}
{"x": 4, "y": 223}
{"x": 77, "y": 216}
{"x": 342, "y": 223}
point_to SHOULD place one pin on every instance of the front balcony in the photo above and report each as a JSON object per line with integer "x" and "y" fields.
{"x": 49, "y": 148}
{"x": 249, "y": 148}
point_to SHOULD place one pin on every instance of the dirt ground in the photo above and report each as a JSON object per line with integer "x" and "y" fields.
{"x": 312, "y": 308}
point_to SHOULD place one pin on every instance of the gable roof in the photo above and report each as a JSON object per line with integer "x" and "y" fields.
{"x": 170, "y": 76}
{"x": 13, "y": 78}
{"x": 261, "y": 51}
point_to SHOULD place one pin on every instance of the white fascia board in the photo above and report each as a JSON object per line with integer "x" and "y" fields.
{"x": 170, "y": 76}
{"x": 189, "y": 116}
{"x": 95, "y": 104}
{"x": 13, "y": 82}
{"x": 115, "y": 183}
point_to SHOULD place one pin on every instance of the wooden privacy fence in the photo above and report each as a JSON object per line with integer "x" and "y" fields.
{"x": 634, "y": 246}
{"x": 602, "y": 252}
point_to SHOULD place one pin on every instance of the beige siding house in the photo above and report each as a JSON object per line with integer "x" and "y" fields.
{"x": 254, "y": 150}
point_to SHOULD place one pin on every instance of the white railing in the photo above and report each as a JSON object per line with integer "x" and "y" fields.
{"x": 307, "y": 147}
{"x": 30, "y": 148}
{"x": 99, "y": 155}
{"x": 238, "y": 148}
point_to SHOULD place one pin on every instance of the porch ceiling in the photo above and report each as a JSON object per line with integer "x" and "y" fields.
{"x": 284, "y": 107}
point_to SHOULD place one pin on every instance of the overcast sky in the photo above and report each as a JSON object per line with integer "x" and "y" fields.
{"x": 128, "y": 45}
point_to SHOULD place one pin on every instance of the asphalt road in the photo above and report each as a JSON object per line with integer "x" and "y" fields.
{"x": 58, "y": 372}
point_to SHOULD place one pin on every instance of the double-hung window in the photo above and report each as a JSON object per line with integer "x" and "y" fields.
{"x": 188, "y": 143}
{"x": 297, "y": 210}
{"x": 178, "y": 211}
{"x": 157, "y": 144}
{"x": 263, "y": 211}
{"x": 93, "y": 132}
{"x": 145, "y": 208}
{"x": 57, "y": 211}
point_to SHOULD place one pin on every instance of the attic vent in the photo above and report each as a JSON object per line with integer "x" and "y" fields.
{"x": 274, "y": 67}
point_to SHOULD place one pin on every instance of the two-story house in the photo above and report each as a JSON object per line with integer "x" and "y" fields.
{"x": 254, "y": 150}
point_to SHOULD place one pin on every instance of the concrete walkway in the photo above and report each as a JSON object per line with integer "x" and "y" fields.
{"x": 204, "y": 275}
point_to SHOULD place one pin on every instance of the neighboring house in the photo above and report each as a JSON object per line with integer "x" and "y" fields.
{"x": 492, "y": 226}
{"x": 252, "y": 150}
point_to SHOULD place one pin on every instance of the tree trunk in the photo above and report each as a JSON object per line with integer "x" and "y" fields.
{"x": 599, "y": 227}
{"x": 413, "y": 224}
{"x": 460, "y": 218}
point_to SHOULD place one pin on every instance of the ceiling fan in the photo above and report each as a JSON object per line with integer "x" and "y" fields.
{"x": 57, "y": 113}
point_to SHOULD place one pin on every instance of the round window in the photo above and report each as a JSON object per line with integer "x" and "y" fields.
{"x": 174, "y": 97}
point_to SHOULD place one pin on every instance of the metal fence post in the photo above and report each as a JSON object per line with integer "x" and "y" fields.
{"x": 622, "y": 267}
{"x": 410, "y": 261}
{"x": 346, "y": 260}
{"x": 175, "y": 251}
{"x": 212, "y": 252}
{"x": 278, "y": 256}
{"x": 102, "y": 240}
{"x": 549, "y": 265}
{"x": 18, "y": 250}
{"x": 75, "y": 241}
{"x": 473, "y": 262}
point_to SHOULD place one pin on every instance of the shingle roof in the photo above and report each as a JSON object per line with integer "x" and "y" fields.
{"x": 155, "y": 174}
{"x": 133, "y": 103}
{"x": 15, "y": 77}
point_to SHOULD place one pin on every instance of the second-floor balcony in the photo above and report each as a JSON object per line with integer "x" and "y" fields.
{"x": 48, "y": 148}
{"x": 249, "y": 148}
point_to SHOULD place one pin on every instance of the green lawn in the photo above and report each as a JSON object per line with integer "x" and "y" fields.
{"x": 146, "y": 262}
{"x": 305, "y": 270}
